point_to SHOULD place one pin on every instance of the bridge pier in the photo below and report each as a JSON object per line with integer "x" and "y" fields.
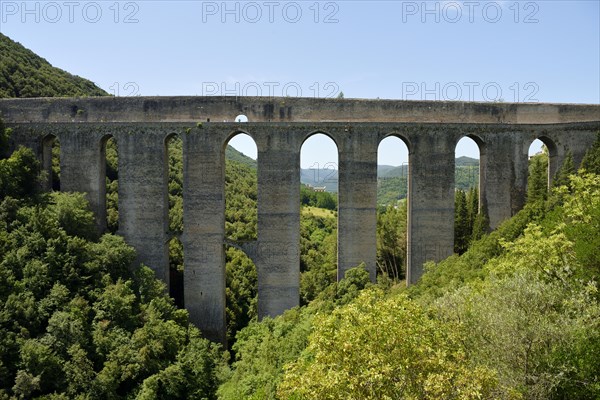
{"x": 430, "y": 201}
{"x": 143, "y": 202}
{"x": 204, "y": 231}
{"x": 357, "y": 202}
{"x": 82, "y": 169}
{"x": 278, "y": 221}
{"x": 504, "y": 171}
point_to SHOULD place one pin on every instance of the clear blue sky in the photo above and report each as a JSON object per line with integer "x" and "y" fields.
{"x": 547, "y": 51}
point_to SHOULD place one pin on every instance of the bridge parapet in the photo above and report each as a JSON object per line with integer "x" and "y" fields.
{"x": 287, "y": 109}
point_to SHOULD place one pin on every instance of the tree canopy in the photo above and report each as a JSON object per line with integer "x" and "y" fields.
{"x": 25, "y": 74}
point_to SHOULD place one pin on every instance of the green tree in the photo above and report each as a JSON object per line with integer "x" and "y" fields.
{"x": 462, "y": 228}
{"x": 72, "y": 213}
{"x": 376, "y": 348}
{"x": 472, "y": 199}
{"x": 537, "y": 183}
{"x": 481, "y": 226}
{"x": 591, "y": 160}
{"x": 530, "y": 320}
{"x": 391, "y": 241}
{"x": 25, "y": 74}
{"x": 19, "y": 174}
{"x": 567, "y": 169}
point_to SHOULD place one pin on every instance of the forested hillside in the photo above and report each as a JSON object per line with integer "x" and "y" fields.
{"x": 25, "y": 74}
{"x": 517, "y": 316}
{"x": 75, "y": 320}
{"x": 514, "y": 314}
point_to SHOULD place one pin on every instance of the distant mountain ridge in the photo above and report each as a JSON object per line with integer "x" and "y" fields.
{"x": 25, "y": 74}
{"x": 328, "y": 178}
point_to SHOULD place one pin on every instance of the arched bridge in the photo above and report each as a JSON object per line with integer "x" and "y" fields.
{"x": 279, "y": 126}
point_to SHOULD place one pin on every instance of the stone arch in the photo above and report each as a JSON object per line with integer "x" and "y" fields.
{"x": 481, "y": 147}
{"x": 236, "y": 132}
{"x": 307, "y": 135}
{"x": 400, "y": 136}
{"x": 555, "y": 154}
{"x": 327, "y": 164}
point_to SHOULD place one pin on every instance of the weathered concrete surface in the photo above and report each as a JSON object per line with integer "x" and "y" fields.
{"x": 83, "y": 169}
{"x": 204, "y": 230}
{"x": 287, "y": 109}
{"x": 140, "y": 126}
{"x": 357, "y": 201}
{"x": 503, "y": 177}
{"x": 278, "y": 263}
{"x": 143, "y": 196}
{"x": 431, "y": 200}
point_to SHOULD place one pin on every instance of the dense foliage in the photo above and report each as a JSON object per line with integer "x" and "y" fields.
{"x": 312, "y": 198}
{"x": 75, "y": 320}
{"x": 25, "y": 74}
{"x": 517, "y": 316}
{"x": 392, "y": 241}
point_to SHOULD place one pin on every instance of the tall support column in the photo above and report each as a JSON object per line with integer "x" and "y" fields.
{"x": 278, "y": 222}
{"x": 357, "y": 203}
{"x": 82, "y": 169}
{"x": 204, "y": 230}
{"x": 143, "y": 204}
{"x": 504, "y": 177}
{"x": 431, "y": 201}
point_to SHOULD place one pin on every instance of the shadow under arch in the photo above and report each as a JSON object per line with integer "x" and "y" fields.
{"x": 392, "y": 206}
{"x": 553, "y": 155}
{"x": 173, "y": 192}
{"x": 108, "y": 207}
{"x": 51, "y": 155}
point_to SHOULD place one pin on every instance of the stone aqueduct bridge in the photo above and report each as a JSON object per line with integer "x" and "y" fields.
{"x": 279, "y": 126}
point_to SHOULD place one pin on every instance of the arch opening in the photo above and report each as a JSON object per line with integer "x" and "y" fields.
{"x": 542, "y": 165}
{"x": 392, "y": 207}
{"x": 318, "y": 215}
{"x": 174, "y": 183}
{"x": 51, "y": 162}
{"x": 469, "y": 220}
{"x": 110, "y": 190}
{"x": 241, "y": 227}
{"x": 241, "y": 118}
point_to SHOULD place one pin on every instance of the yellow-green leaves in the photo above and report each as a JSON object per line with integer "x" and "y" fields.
{"x": 378, "y": 348}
